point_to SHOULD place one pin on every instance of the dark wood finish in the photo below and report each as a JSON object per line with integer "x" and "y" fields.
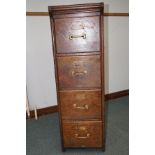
{"x": 78, "y": 29}
{"x": 102, "y": 76}
{"x": 77, "y": 54}
{"x": 82, "y": 133}
{"x": 77, "y": 34}
{"x": 117, "y": 94}
{"x": 28, "y": 13}
{"x": 56, "y": 77}
{"x": 76, "y": 15}
{"x": 78, "y": 72}
{"x": 75, "y": 9}
{"x": 82, "y": 105}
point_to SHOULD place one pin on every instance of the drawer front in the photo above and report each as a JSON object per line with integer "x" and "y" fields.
{"x": 80, "y": 105}
{"x": 79, "y": 72}
{"x": 82, "y": 134}
{"x": 77, "y": 34}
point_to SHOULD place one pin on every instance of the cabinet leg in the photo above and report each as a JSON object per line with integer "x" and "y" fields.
{"x": 103, "y": 149}
{"x": 63, "y": 149}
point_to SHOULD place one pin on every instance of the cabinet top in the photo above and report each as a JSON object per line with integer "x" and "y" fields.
{"x": 76, "y": 8}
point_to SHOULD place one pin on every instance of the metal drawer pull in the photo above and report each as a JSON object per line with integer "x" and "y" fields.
{"x": 82, "y": 128}
{"x": 71, "y": 36}
{"x": 77, "y": 73}
{"x": 80, "y": 107}
{"x": 82, "y": 137}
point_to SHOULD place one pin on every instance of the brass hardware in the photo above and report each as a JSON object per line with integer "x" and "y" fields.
{"x": 77, "y": 136}
{"x": 77, "y": 25}
{"x": 82, "y": 128}
{"x": 81, "y": 107}
{"x": 77, "y": 73}
{"x": 71, "y": 36}
{"x": 80, "y": 96}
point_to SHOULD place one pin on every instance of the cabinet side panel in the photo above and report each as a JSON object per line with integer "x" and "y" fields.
{"x": 56, "y": 76}
{"x": 102, "y": 73}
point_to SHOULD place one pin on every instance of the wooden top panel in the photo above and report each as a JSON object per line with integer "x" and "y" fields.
{"x": 67, "y": 9}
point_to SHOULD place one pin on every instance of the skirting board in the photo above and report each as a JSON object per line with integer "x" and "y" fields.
{"x": 44, "y": 111}
{"x": 116, "y": 94}
{"x": 53, "y": 109}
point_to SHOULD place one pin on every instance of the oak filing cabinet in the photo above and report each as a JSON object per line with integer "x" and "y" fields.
{"x": 77, "y": 36}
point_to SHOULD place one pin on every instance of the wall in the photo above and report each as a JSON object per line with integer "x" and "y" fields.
{"x": 40, "y": 68}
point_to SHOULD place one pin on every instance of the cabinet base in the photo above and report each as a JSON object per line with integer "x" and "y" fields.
{"x": 63, "y": 149}
{"x": 91, "y": 148}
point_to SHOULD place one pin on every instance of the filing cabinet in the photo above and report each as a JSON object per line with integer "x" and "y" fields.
{"x": 77, "y": 37}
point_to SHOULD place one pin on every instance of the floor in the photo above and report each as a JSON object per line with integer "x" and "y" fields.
{"x": 43, "y": 138}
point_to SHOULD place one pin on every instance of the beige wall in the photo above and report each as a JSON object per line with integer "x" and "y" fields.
{"x": 41, "y": 5}
{"x": 40, "y": 67}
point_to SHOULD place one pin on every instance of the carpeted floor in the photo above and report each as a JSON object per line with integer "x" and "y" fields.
{"x": 43, "y": 138}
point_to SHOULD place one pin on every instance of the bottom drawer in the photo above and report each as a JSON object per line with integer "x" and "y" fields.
{"x": 82, "y": 133}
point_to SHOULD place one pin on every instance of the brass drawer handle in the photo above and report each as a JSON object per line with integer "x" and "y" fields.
{"x": 77, "y": 73}
{"x": 82, "y": 128}
{"x": 82, "y": 137}
{"x": 71, "y": 36}
{"x": 81, "y": 107}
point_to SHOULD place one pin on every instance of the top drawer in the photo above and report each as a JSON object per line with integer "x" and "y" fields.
{"x": 77, "y": 34}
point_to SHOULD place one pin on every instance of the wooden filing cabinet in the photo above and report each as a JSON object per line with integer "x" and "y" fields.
{"x": 77, "y": 36}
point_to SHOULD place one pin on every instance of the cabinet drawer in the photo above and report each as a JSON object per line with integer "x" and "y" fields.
{"x": 77, "y": 34}
{"x": 79, "y": 72}
{"x": 82, "y": 134}
{"x": 80, "y": 105}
